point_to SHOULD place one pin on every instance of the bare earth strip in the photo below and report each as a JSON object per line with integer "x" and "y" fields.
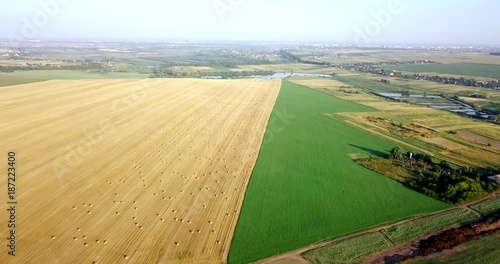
{"x": 442, "y": 142}
{"x": 479, "y": 139}
{"x": 139, "y": 171}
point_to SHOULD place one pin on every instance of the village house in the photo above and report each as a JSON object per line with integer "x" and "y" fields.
{"x": 495, "y": 178}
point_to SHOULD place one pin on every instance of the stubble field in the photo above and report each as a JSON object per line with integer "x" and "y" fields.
{"x": 139, "y": 171}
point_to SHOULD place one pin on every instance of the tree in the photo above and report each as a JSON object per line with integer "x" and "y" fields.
{"x": 445, "y": 165}
{"x": 450, "y": 193}
{"x": 419, "y": 157}
{"x": 437, "y": 168}
{"x": 427, "y": 159}
{"x": 397, "y": 153}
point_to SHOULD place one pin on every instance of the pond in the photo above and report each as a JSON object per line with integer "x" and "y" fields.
{"x": 431, "y": 101}
{"x": 400, "y": 96}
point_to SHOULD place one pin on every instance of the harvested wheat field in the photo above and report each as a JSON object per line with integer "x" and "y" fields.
{"x": 139, "y": 171}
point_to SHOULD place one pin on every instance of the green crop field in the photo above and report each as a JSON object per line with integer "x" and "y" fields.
{"x": 306, "y": 188}
{"x": 414, "y": 229}
{"x": 488, "y": 207}
{"x": 7, "y": 79}
{"x": 69, "y": 75}
{"x": 478, "y": 251}
{"x": 21, "y": 77}
{"x": 465, "y": 69}
{"x": 349, "y": 250}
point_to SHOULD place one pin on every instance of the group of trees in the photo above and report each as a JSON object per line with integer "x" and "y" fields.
{"x": 405, "y": 93}
{"x": 442, "y": 181}
{"x": 289, "y": 56}
{"x": 350, "y": 91}
{"x": 453, "y": 186}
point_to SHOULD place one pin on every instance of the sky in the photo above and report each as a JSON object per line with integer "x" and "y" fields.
{"x": 360, "y": 22}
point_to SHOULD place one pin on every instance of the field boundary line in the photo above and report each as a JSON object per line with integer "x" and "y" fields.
{"x": 371, "y": 131}
{"x": 386, "y": 238}
{"x": 244, "y": 190}
{"x": 474, "y": 211}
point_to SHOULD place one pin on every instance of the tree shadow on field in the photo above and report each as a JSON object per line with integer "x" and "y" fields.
{"x": 373, "y": 152}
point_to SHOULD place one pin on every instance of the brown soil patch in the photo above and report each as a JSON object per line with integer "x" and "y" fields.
{"x": 447, "y": 241}
{"x": 393, "y": 106}
{"x": 318, "y": 83}
{"x": 479, "y": 139}
{"x": 450, "y": 238}
{"x": 445, "y": 143}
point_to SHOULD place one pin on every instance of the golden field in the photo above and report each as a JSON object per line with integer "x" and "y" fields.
{"x": 139, "y": 171}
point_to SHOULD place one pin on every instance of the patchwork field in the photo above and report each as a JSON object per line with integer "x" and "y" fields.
{"x": 425, "y": 129}
{"x": 479, "y": 139}
{"x": 145, "y": 171}
{"x": 353, "y": 56}
{"x": 371, "y": 82}
{"x": 306, "y": 188}
{"x": 420, "y": 86}
{"x": 464, "y": 69}
{"x": 428, "y": 131}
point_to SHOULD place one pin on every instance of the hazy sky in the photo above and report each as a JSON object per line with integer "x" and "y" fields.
{"x": 353, "y": 21}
